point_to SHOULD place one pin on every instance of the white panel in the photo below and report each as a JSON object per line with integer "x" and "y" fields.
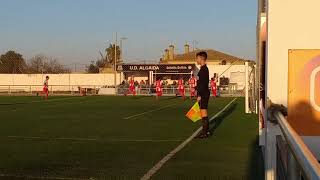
{"x": 313, "y": 142}
{"x": 292, "y": 24}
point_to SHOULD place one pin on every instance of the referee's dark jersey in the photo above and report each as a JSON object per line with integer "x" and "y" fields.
{"x": 203, "y": 86}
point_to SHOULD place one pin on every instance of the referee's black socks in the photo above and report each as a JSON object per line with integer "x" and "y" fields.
{"x": 205, "y": 125}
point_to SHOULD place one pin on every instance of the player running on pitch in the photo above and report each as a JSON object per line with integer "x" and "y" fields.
{"x": 213, "y": 86}
{"x": 181, "y": 89}
{"x": 203, "y": 92}
{"x": 192, "y": 84}
{"x": 132, "y": 89}
{"x": 158, "y": 88}
{"x": 46, "y": 88}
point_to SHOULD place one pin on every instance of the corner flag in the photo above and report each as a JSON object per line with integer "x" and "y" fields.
{"x": 194, "y": 113}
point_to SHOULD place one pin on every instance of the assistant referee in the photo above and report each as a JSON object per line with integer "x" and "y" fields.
{"x": 203, "y": 92}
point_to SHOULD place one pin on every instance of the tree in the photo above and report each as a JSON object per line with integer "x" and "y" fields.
{"x": 43, "y": 64}
{"x": 110, "y": 57}
{"x": 105, "y": 61}
{"x": 36, "y": 64}
{"x": 93, "y": 68}
{"x": 12, "y": 63}
{"x": 54, "y": 67}
{"x": 102, "y": 62}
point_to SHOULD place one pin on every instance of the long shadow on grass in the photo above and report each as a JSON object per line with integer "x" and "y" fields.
{"x": 255, "y": 169}
{"x": 218, "y": 120}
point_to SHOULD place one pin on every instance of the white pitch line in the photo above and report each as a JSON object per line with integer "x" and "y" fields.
{"x": 145, "y": 140}
{"x": 158, "y": 166}
{"x": 39, "y": 101}
{"x": 150, "y": 111}
{"x": 99, "y": 140}
{"x": 57, "y": 99}
{"x": 38, "y": 177}
{"x": 46, "y": 138}
{"x": 49, "y": 100}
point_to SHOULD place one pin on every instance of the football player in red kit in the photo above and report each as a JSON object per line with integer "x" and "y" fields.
{"x": 192, "y": 84}
{"x": 181, "y": 88}
{"x": 132, "y": 89}
{"x": 213, "y": 85}
{"x": 46, "y": 88}
{"x": 158, "y": 88}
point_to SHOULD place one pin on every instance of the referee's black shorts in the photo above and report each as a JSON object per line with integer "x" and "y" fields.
{"x": 204, "y": 100}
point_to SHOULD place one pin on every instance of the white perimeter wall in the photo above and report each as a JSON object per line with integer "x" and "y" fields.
{"x": 62, "y": 80}
{"x": 236, "y": 73}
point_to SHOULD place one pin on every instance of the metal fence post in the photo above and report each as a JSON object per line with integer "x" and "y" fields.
{"x": 293, "y": 168}
{"x": 301, "y": 160}
{"x": 247, "y": 110}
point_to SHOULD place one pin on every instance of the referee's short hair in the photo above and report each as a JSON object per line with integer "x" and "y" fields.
{"x": 203, "y": 54}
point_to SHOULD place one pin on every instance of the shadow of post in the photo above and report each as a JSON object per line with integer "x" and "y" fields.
{"x": 218, "y": 120}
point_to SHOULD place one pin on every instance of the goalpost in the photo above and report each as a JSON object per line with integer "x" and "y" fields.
{"x": 171, "y": 90}
{"x": 251, "y": 99}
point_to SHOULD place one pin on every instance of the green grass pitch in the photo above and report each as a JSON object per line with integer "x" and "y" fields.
{"x": 122, "y": 138}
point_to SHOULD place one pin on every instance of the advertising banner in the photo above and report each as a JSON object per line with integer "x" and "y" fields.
{"x": 304, "y": 91}
{"x": 159, "y": 68}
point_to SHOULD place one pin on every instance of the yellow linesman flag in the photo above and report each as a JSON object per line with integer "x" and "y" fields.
{"x": 194, "y": 113}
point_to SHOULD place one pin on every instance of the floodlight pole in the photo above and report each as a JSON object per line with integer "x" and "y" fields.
{"x": 194, "y": 44}
{"x": 115, "y": 63}
{"x": 121, "y": 53}
{"x": 121, "y": 43}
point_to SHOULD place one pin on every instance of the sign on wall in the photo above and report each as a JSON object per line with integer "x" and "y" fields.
{"x": 160, "y": 68}
{"x": 304, "y": 91}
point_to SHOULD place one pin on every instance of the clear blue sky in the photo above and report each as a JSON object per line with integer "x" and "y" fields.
{"x": 75, "y": 30}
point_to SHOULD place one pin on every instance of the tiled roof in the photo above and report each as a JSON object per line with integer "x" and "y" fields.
{"x": 212, "y": 55}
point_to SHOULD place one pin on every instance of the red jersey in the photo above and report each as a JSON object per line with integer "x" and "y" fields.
{"x": 132, "y": 87}
{"x": 45, "y": 87}
{"x": 213, "y": 84}
{"x": 158, "y": 84}
{"x": 192, "y": 82}
{"x": 131, "y": 83}
{"x": 158, "y": 88}
{"x": 45, "y": 83}
{"x": 180, "y": 84}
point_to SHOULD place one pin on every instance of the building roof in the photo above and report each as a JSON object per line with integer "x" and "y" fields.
{"x": 213, "y": 55}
